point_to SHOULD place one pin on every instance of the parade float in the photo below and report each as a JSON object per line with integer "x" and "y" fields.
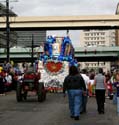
{"x": 54, "y": 62}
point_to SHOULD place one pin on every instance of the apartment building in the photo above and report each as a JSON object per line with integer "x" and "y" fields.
{"x": 97, "y": 38}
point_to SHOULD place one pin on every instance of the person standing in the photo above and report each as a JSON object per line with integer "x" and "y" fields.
{"x": 8, "y": 84}
{"x": 109, "y": 86}
{"x": 85, "y": 96}
{"x": 91, "y": 86}
{"x": 113, "y": 80}
{"x": 25, "y": 66}
{"x": 2, "y": 83}
{"x": 116, "y": 85}
{"x": 74, "y": 85}
{"x": 100, "y": 83}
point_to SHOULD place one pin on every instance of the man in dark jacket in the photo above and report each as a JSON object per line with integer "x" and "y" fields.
{"x": 74, "y": 85}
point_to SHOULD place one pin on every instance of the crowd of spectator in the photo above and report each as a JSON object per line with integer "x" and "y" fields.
{"x": 93, "y": 80}
{"x": 9, "y": 73}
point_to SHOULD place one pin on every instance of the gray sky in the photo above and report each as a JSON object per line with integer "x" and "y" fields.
{"x": 64, "y": 8}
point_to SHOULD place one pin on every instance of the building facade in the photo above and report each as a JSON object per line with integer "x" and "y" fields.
{"x": 117, "y": 31}
{"x": 25, "y": 38}
{"x": 13, "y": 36}
{"x": 97, "y": 38}
{"x": 20, "y": 38}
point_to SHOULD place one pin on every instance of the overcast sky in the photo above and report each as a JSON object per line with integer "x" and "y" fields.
{"x": 64, "y": 7}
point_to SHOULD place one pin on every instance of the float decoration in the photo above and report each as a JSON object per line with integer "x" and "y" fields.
{"x": 55, "y": 61}
{"x": 56, "y": 51}
{"x": 54, "y": 67}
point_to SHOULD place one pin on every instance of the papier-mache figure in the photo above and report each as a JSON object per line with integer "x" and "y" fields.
{"x": 56, "y": 49}
{"x": 48, "y": 45}
{"x": 66, "y": 46}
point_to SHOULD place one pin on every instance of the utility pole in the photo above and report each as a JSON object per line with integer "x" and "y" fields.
{"x": 32, "y": 47}
{"x": 7, "y": 30}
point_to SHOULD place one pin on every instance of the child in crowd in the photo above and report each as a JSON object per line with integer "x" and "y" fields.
{"x": 91, "y": 85}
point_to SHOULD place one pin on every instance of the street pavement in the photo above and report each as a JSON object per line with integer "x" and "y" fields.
{"x": 54, "y": 111}
{"x": 92, "y": 117}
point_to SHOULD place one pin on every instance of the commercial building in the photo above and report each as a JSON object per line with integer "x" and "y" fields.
{"x": 13, "y": 36}
{"x": 97, "y": 38}
{"x": 20, "y": 38}
{"x": 117, "y": 31}
{"x": 25, "y": 38}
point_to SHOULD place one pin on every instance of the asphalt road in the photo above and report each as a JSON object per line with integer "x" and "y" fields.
{"x": 54, "y": 111}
